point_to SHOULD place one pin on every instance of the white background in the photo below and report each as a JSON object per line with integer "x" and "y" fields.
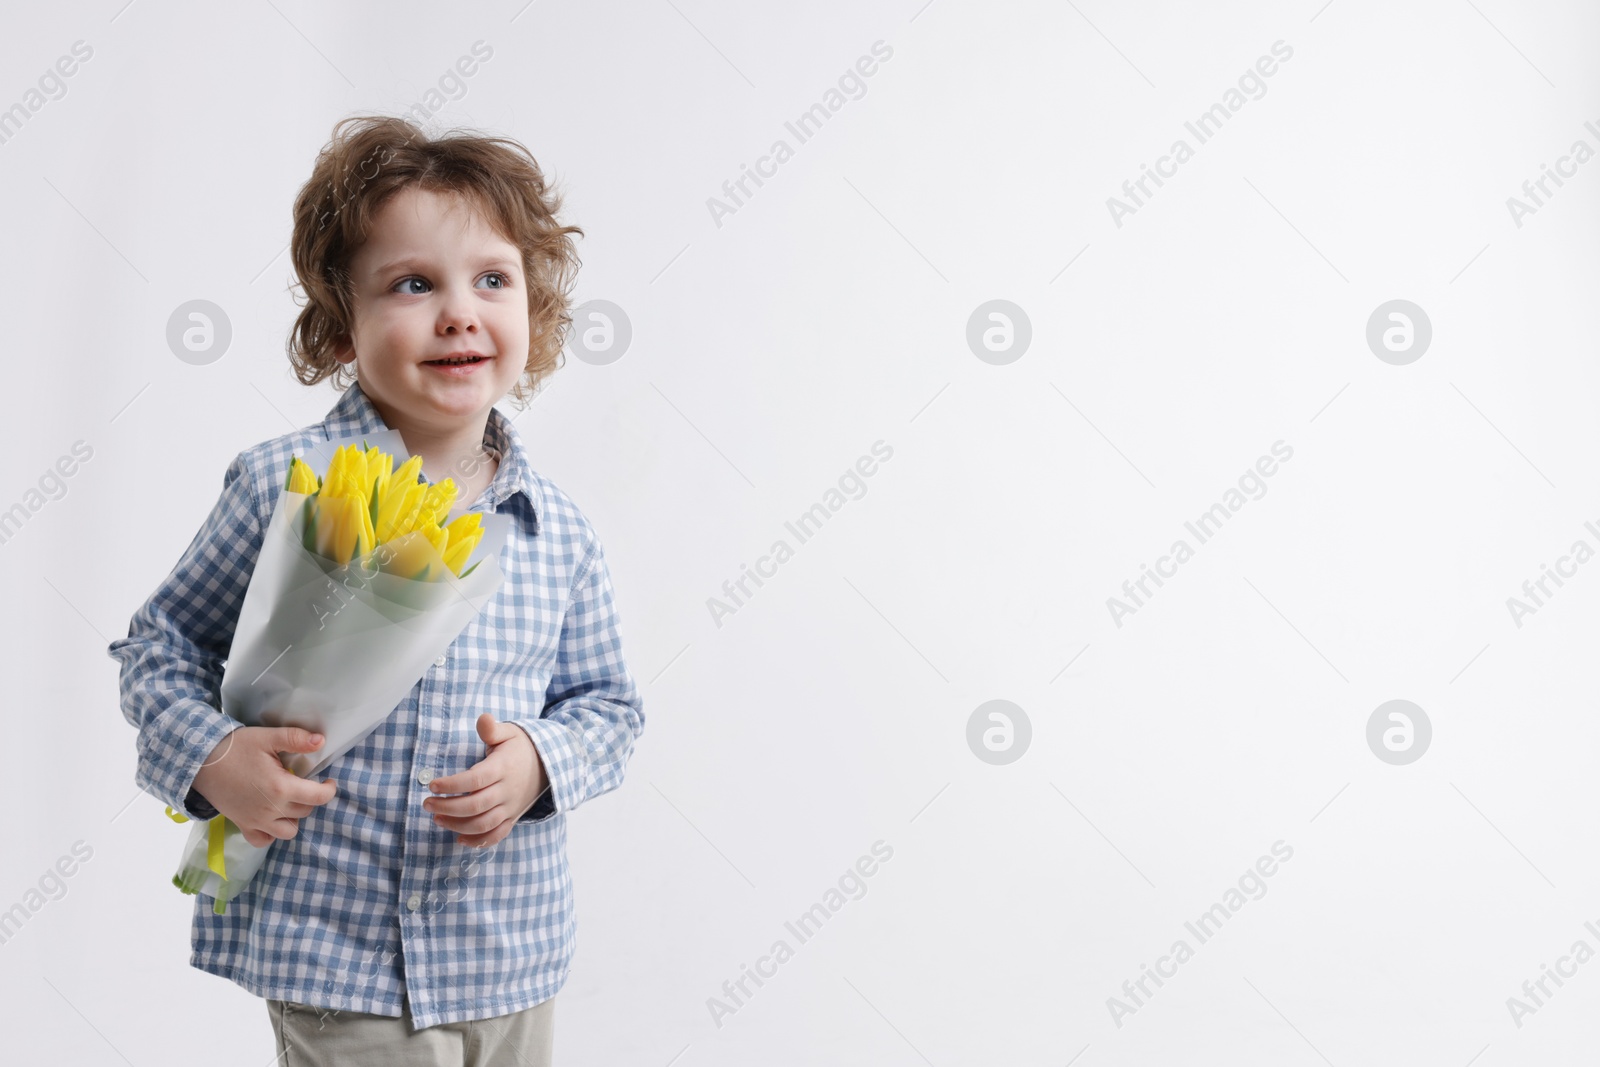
{"x": 768, "y": 354}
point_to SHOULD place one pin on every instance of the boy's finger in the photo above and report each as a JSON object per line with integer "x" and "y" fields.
{"x": 474, "y": 777}
{"x": 460, "y": 807}
{"x": 312, "y": 793}
{"x": 474, "y": 825}
{"x": 294, "y": 739}
{"x": 284, "y": 829}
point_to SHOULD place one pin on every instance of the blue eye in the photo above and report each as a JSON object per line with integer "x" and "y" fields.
{"x": 504, "y": 281}
{"x": 403, "y": 281}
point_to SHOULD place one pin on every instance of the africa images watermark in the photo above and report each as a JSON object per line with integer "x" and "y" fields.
{"x": 852, "y": 481}
{"x": 1580, "y": 954}
{"x": 1580, "y": 553}
{"x": 1252, "y": 881}
{"x": 52, "y": 86}
{"x": 52, "y": 886}
{"x": 1203, "y": 128}
{"x": 1204, "y": 527}
{"x": 803, "y": 128}
{"x": 853, "y": 881}
{"x": 452, "y": 84}
{"x": 1579, "y": 154}
{"x": 52, "y": 486}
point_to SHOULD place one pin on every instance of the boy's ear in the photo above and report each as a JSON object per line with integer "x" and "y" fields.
{"x": 343, "y": 350}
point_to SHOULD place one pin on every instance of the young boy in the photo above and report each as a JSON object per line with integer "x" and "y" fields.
{"x": 417, "y": 905}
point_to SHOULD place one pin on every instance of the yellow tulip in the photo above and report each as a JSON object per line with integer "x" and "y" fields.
{"x": 302, "y": 479}
{"x": 436, "y": 502}
{"x": 341, "y": 529}
{"x": 465, "y": 533}
{"x": 412, "y": 558}
{"x": 398, "y": 497}
{"x": 436, "y": 537}
{"x": 378, "y": 466}
{"x": 397, "y": 510}
{"x": 333, "y": 484}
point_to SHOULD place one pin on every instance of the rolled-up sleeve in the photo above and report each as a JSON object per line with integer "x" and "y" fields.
{"x": 177, "y": 641}
{"x": 592, "y": 712}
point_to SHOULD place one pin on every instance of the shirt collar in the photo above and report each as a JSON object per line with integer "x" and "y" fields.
{"x": 355, "y": 414}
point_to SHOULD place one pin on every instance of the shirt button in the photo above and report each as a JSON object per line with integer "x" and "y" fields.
{"x": 439, "y": 662}
{"x": 415, "y": 901}
{"x": 425, "y": 777}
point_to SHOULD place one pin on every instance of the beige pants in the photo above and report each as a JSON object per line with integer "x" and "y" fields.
{"x": 317, "y": 1037}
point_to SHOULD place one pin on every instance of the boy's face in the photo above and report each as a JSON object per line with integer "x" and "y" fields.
{"x": 434, "y": 280}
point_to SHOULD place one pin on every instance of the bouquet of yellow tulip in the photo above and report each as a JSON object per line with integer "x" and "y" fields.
{"x": 364, "y": 502}
{"x": 357, "y": 589}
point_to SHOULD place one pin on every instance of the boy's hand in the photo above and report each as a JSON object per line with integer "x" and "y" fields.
{"x": 497, "y": 790}
{"x": 244, "y": 779}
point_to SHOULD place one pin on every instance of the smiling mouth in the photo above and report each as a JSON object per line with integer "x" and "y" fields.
{"x": 456, "y": 362}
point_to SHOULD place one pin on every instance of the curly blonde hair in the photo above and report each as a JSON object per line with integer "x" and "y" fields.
{"x": 371, "y": 158}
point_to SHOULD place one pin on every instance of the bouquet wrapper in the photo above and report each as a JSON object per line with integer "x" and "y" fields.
{"x": 333, "y": 649}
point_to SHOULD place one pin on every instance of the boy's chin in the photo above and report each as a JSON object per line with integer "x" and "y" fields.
{"x": 465, "y": 397}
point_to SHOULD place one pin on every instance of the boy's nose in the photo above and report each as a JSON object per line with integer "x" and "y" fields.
{"x": 458, "y": 315}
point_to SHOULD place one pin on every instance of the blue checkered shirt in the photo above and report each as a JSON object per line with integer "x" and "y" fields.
{"x": 371, "y": 900}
